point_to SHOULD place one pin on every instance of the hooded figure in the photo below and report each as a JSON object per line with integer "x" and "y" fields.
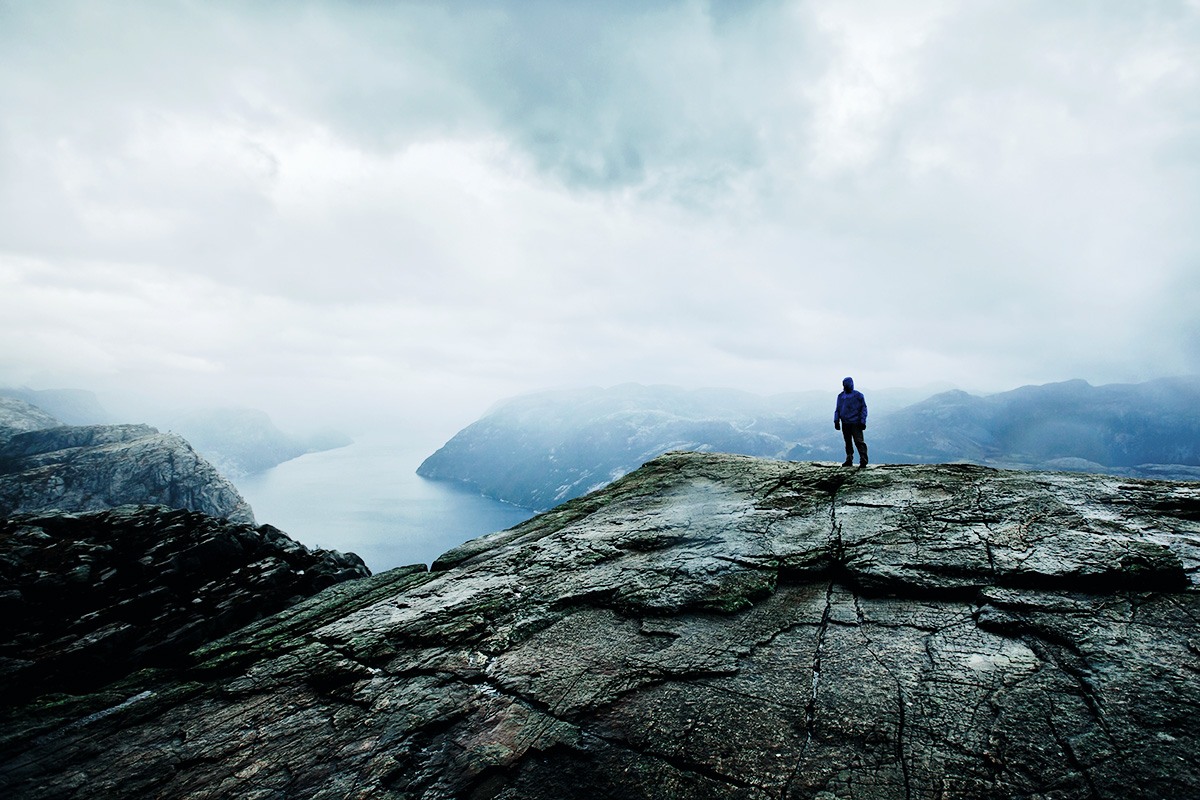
{"x": 850, "y": 417}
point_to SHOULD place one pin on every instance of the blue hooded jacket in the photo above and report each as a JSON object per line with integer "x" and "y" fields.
{"x": 851, "y": 405}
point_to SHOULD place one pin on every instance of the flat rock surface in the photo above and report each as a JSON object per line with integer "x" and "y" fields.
{"x": 708, "y": 627}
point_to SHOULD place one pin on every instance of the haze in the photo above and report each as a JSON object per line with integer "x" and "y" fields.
{"x": 399, "y": 213}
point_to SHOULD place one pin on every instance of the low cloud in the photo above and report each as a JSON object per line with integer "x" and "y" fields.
{"x": 419, "y": 208}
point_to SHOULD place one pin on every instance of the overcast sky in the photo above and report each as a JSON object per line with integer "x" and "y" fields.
{"x": 333, "y": 208}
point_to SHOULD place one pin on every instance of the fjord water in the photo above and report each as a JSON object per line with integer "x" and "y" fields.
{"x": 366, "y": 498}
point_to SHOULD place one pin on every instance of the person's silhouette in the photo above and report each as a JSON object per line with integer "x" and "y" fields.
{"x": 850, "y": 417}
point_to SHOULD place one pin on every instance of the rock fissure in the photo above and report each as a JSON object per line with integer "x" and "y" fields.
{"x": 810, "y": 708}
{"x": 901, "y": 739}
{"x": 1073, "y": 759}
{"x": 677, "y": 763}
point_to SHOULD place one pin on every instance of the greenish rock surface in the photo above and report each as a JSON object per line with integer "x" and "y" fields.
{"x": 709, "y": 626}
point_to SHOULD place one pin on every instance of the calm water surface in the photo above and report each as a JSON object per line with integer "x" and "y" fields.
{"x": 367, "y": 499}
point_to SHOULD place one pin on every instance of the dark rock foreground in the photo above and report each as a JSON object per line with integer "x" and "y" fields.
{"x": 88, "y": 598}
{"x": 708, "y": 627}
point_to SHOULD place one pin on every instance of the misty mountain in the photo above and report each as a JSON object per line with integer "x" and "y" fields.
{"x": 237, "y": 441}
{"x": 242, "y": 441}
{"x": 1069, "y": 425}
{"x": 67, "y": 406}
{"x": 539, "y": 450}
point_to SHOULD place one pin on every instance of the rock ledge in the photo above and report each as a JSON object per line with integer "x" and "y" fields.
{"x": 708, "y": 627}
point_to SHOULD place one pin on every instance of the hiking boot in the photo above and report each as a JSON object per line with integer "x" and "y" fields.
{"x": 849, "y": 462}
{"x": 862, "y": 463}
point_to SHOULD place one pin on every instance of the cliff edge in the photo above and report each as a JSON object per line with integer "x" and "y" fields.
{"x": 78, "y": 468}
{"x": 709, "y": 626}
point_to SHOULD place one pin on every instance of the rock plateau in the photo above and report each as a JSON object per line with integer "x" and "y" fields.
{"x": 709, "y": 626}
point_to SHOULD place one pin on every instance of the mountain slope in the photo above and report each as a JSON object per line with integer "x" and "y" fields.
{"x": 710, "y": 626}
{"x": 69, "y": 406}
{"x": 243, "y": 441}
{"x": 88, "y": 598}
{"x": 18, "y": 416}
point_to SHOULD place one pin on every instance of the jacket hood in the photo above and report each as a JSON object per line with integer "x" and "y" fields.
{"x": 848, "y": 384}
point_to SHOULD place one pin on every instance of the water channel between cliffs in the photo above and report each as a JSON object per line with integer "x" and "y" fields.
{"x": 366, "y": 498}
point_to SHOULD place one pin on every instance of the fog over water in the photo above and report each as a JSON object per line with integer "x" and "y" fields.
{"x": 367, "y": 498}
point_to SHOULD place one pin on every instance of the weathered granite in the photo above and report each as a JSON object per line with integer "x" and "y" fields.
{"x": 94, "y": 467}
{"x": 708, "y": 627}
{"x": 87, "y": 598}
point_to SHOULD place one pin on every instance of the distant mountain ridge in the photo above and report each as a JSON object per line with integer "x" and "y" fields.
{"x": 68, "y": 406}
{"x": 1114, "y": 427}
{"x": 243, "y": 441}
{"x": 20, "y": 416}
{"x": 539, "y": 450}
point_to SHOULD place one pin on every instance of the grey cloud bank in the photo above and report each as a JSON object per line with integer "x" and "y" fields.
{"x": 414, "y": 209}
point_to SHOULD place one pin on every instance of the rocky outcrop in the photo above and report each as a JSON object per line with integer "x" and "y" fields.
{"x": 86, "y": 599}
{"x": 18, "y": 416}
{"x": 94, "y": 467}
{"x": 707, "y": 627}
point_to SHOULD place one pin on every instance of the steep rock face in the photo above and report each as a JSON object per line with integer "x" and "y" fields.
{"x": 708, "y": 627}
{"x": 93, "y": 467}
{"x": 86, "y": 599}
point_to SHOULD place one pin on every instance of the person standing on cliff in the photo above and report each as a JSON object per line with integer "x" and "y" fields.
{"x": 850, "y": 417}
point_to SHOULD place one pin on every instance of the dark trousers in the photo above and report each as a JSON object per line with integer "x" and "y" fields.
{"x": 852, "y": 432}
